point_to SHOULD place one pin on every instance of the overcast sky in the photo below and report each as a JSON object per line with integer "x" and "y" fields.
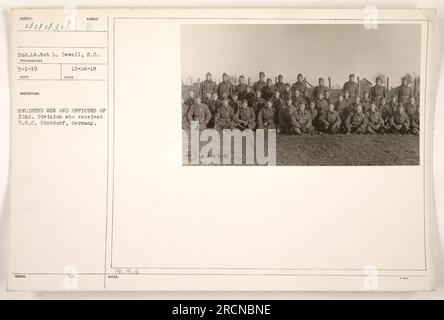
{"x": 314, "y": 50}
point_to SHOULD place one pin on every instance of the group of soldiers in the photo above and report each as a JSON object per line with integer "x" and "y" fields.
{"x": 291, "y": 109}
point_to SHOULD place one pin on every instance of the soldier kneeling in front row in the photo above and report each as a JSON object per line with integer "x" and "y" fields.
{"x": 224, "y": 116}
{"x": 245, "y": 117}
{"x": 330, "y": 121}
{"x": 302, "y": 121}
{"x": 267, "y": 116}
{"x": 375, "y": 121}
{"x": 399, "y": 121}
{"x": 286, "y": 122}
{"x": 356, "y": 122}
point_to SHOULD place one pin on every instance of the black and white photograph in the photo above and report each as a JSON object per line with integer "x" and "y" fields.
{"x": 301, "y": 94}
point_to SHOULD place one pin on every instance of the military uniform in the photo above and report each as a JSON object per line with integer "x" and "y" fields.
{"x": 207, "y": 86}
{"x": 213, "y": 105}
{"x": 257, "y": 104}
{"x": 241, "y": 90}
{"x": 266, "y": 118}
{"x": 414, "y": 123}
{"x": 343, "y": 108}
{"x": 225, "y": 87}
{"x": 356, "y": 122}
{"x": 393, "y": 106}
{"x": 321, "y": 106}
{"x": 185, "y": 123}
{"x": 286, "y": 121}
{"x": 259, "y": 85}
{"x": 223, "y": 118}
{"x": 299, "y": 86}
{"x": 351, "y": 87}
{"x": 189, "y": 101}
{"x": 285, "y": 95}
{"x": 330, "y": 121}
{"x": 280, "y": 86}
{"x": 319, "y": 89}
{"x": 303, "y": 122}
{"x": 235, "y": 104}
{"x": 249, "y": 96}
{"x": 277, "y": 103}
{"x": 245, "y": 118}
{"x": 199, "y": 112}
{"x": 365, "y": 104}
{"x": 385, "y": 112}
{"x": 268, "y": 92}
{"x": 410, "y": 109}
{"x": 404, "y": 93}
{"x": 399, "y": 122}
{"x": 377, "y": 92}
{"x": 298, "y": 100}
{"x": 376, "y": 123}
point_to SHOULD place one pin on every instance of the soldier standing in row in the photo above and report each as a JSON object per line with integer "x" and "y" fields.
{"x": 280, "y": 85}
{"x": 259, "y": 85}
{"x": 321, "y": 88}
{"x": 404, "y": 92}
{"x": 300, "y": 85}
{"x": 268, "y": 90}
{"x": 207, "y": 86}
{"x": 351, "y": 86}
{"x": 377, "y": 92}
{"x": 241, "y": 88}
{"x": 225, "y": 88}
{"x": 199, "y": 112}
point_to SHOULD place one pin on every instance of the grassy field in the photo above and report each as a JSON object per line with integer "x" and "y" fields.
{"x": 345, "y": 150}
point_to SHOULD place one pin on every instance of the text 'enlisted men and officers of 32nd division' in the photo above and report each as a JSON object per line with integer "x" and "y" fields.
{"x": 295, "y": 109}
